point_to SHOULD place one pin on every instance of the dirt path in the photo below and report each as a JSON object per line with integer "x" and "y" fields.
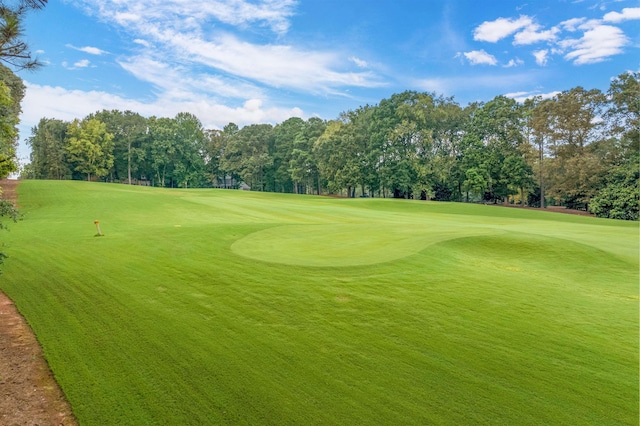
{"x": 29, "y": 395}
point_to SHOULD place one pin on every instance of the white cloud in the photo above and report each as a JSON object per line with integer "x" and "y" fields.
{"x": 572, "y": 24}
{"x": 179, "y": 83}
{"x": 590, "y": 24}
{"x": 514, "y": 63}
{"x": 493, "y": 31}
{"x": 531, "y": 35}
{"x": 83, "y": 63}
{"x": 628, "y": 13}
{"x": 88, "y": 49}
{"x": 596, "y": 45}
{"x": 141, "y": 42}
{"x": 64, "y": 104}
{"x": 274, "y": 14}
{"x": 273, "y": 65}
{"x": 523, "y": 96}
{"x": 187, "y": 32}
{"x": 477, "y": 57}
{"x": 542, "y": 56}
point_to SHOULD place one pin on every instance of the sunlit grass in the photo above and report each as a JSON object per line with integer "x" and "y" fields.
{"x": 214, "y": 306}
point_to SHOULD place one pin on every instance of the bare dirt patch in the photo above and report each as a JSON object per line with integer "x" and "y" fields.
{"x": 9, "y": 189}
{"x": 29, "y": 394}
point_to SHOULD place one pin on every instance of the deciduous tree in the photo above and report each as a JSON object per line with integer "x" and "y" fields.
{"x": 90, "y": 147}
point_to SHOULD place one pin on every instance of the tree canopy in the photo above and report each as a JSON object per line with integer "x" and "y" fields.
{"x": 578, "y": 149}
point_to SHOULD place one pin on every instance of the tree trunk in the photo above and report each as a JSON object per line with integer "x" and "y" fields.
{"x": 542, "y": 176}
{"x": 129, "y": 162}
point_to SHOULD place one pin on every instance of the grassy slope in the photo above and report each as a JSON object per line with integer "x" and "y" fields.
{"x": 212, "y": 306}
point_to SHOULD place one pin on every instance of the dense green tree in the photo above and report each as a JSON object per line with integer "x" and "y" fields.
{"x": 129, "y": 130}
{"x": 449, "y": 122}
{"x": 213, "y": 150}
{"x": 248, "y": 155}
{"x": 8, "y": 132}
{"x": 575, "y": 122}
{"x": 90, "y": 147}
{"x": 620, "y": 197}
{"x": 161, "y": 149}
{"x": 539, "y": 117}
{"x": 303, "y": 165}
{"x": 399, "y": 132}
{"x": 48, "y": 150}
{"x": 11, "y": 94}
{"x": 340, "y": 154}
{"x": 624, "y": 111}
{"x": 190, "y": 141}
{"x": 284, "y": 136}
{"x": 497, "y": 129}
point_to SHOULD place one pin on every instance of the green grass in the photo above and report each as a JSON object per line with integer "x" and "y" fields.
{"x": 228, "y": 307}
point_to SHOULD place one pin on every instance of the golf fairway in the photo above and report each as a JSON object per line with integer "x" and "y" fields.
{"x": 228, "y": 307}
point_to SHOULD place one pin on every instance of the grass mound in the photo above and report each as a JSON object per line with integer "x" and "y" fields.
{"x": 214, "y": 307}
{"x": 340, "y": 244}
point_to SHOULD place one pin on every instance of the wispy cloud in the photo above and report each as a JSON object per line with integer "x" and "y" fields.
{"x": 190, "y": 15}
{"x": 480, "y": 57}
{"x": 359, "y": 62}
{"x": 178, "y": 83}
{"x": 88, "y": 49}
{"x": 181, "y": 30}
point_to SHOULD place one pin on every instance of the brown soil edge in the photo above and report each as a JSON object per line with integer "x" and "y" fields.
{"x": 29, "y": 394}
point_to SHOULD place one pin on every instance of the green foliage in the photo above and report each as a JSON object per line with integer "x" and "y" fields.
{"x": 411, "y": 145}
{"x": 90, "y": 147}
{"x": 49, "y": 156}
{"x": 248, "y": 154}
{"x": 7, "y": 210}
{"x": 129, "y": 132}
{"x": 8, "y": 132}
{"x": 11, "y": 94}
{"x": 620, "y": 198}
{"x": 217, "y": 307}
{"x": 14, "y": 51}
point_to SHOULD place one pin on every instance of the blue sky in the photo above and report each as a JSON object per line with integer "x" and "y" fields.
{"x": 263, "y": 61}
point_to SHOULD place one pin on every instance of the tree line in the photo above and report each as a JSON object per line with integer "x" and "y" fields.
{"x": 579, "y": 149}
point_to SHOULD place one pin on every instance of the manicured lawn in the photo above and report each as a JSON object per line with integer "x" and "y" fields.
{"x": 228, "y": 307}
